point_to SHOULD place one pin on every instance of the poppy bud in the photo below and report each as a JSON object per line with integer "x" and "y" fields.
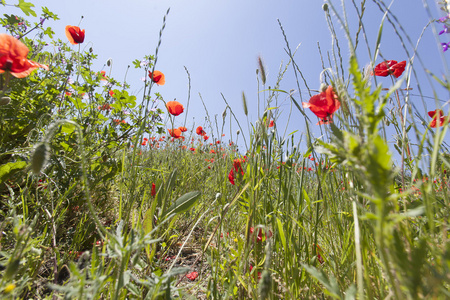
{"x": 40, "y": 157}
{"x": 325, "y": 7}
{"x": 91, "y": 50}
{"x": 5, "y": 101}
{"x": 108, "y": 62}
{"x": 238, "y": 131}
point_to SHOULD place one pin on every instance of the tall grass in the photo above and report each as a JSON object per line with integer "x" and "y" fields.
{"x": 95, "y": 211}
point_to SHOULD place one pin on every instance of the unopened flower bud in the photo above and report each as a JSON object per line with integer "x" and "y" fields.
{"x": 5, "y": 100}
{"x": 238, "y": 131}
{"x": 108, "y": 62}
{"x": 325, "y": 7}
{"x": 40, "y": 157}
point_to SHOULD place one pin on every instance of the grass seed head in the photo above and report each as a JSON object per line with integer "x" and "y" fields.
{"x": 262, "y": 71}
{"x": 244, "y": 103}
{"x": 40, "y": 157}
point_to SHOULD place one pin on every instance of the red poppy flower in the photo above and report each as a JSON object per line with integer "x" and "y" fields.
{"x": 205, "y": 137}
{"x": 182, "y": 128}
{"x": 271, "y": 123}
{"x": 176, "y": 133}
{"x": 157, "y": 77}
{"x": 117, "y": 121}
{"x": 390, "y": 67}
{"x": 259, "y": 273}
{"x": 200, "y": 130}
{"x": 13, "y": 57}
{"x": 74, "y": 34}
{"x": 175, "y": 108}
{"x": 231, "y": 176}
{"x": 437, "y": 114}
{"x": 319, "y": 257}
{"x": 237, "y": 167}
{"x": 192, "y": 276}
{"x": 260, "y": 232}
{"x": 153, "y": 192}
{"x": 324, "y": 105}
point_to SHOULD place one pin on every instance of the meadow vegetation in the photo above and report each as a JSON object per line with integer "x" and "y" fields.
{"x": 102, "y": 198}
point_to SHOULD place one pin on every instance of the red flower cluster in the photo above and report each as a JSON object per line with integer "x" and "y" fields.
{"x": 13, "y": 57}
{"x": 175, "y": 133}
{"x": 118, "y": 121}
{"x": 192, "y": 276}
{"x": 237, "y": 167}
{"x": 324, "y": 105}
{"x": 390, "y": 67}
{"x": 260, "y": 234}
{"x": 437, "y": 114}
{"x": 104, "y": 107}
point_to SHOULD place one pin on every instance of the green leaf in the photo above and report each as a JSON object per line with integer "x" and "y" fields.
{"x": 67, "y": 128}
{"x": 331, "y": 285}
{"x": 10, "y": 168}
{"x": 148, "y": 221}
{"x": 182, "y": 204}
{"x": 11, "y": 19}
{"x": 281, "y": 233}
{"x": 26, "y": 8}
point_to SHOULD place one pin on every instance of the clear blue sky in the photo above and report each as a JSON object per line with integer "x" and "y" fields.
{"x": 219, "y": 43}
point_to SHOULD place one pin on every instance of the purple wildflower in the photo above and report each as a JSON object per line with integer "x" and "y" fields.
{"x": 445, "y": 46}
{"x": 443, "y": 19}
{"x": 445, "y": 30}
